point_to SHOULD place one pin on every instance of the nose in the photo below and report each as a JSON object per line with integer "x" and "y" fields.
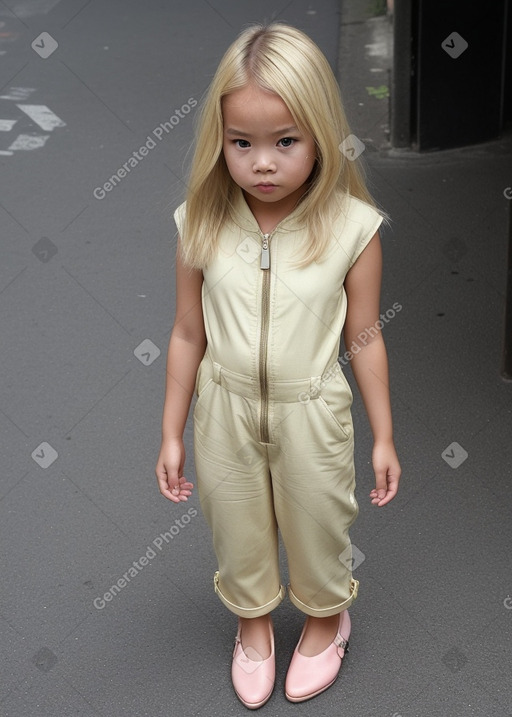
{"x": 263, "y": 163}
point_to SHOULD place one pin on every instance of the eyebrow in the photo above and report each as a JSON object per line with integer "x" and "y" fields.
{"x": 238, "y": 133}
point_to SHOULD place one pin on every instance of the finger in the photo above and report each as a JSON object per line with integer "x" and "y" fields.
{"x": 170, "y": 490}
{"x": 384, "y": 501}
{"x": 378, "y": 496}
{"x": 182, "y": 489}
{"x": 168, "y": 487}
{"x": 183, "y": 494}
{"x": 184, "y": 484}
{"x": 390, "y": 493}
{"x": 175, "y": 489}
{"x": 167, "y": 493}
{"x": 381, "y": 485}
{"x": 381, "y": 479}
{"x": 163, "y": 484}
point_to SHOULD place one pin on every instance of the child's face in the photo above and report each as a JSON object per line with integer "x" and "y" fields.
{"x": 265, "y": 153}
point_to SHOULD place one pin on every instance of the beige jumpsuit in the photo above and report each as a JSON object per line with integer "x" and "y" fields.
{"x": 273, "y": 435}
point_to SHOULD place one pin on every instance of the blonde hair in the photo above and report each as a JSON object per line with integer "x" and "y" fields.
{"x": 285, "y": 61}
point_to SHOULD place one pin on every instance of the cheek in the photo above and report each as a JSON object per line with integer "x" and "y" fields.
{"x": 230, "y": 153}
{"x": 311, "y": 152}
{"x": 308, "y": 161}
{"x": 229, "y": 159}
{"x": 311, "y": 157}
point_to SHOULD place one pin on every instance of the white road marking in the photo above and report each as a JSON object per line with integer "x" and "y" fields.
{"x": 377, "y": 49}
{"x": 7, "y": 125}
{"x": 27, "y": 141}
{"x": 24, "y": 9}
{"x": 43, "y": 116}
{"x": 18, "y": 93}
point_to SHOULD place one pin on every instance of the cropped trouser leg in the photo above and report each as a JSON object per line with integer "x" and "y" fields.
{"x": 301, "y": 481}
{"x": 313, "y": 487}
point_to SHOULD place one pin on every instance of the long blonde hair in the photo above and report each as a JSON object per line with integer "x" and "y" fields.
{"x": 285, "y": 61}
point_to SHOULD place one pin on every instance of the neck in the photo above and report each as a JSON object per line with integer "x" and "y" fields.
{"x": 269, "y": 214}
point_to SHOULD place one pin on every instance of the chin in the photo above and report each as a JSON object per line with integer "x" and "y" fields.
{"x": 267, "y": 198}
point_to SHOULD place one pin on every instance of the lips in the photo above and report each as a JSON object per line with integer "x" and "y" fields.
{"x": 265, "y": 187}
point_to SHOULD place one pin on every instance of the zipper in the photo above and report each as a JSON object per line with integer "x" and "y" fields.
{"x": 265, "y": 310}
{"x": 265, "y": 252}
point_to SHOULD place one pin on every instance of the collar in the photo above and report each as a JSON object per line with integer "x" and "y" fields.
{"x": 241, "y": 214}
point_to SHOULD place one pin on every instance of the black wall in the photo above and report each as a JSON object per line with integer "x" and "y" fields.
{"x": 454, "y": 100}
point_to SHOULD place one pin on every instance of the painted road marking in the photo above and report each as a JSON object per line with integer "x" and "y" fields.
{"x": 43, "y": 116}
{"x": 41, "y": 7}
{"x": 18, "y": 93}
{"x": 7, "y": 125}
{"x": 27, "y": 141}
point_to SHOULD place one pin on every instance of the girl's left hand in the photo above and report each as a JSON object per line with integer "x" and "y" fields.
{"x": 387, "y": 473}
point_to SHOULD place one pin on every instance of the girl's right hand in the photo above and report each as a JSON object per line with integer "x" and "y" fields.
{"x": 169, "y": 471}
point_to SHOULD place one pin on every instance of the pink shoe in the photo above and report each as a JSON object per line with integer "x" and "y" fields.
{"x": 253, "y": 679}
{"x": 308, "y": 676}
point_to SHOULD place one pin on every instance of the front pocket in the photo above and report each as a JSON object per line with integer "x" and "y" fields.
{"x": 202, "y": 388}
{"x": 202, "y": 407}
{"x": 345, "y": 427}
{"x": 203, "y": 376}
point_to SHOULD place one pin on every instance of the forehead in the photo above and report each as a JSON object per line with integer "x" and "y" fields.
{"x": 252, "y": 106}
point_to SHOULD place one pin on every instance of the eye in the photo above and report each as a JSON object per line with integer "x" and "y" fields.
{"x": 242, "y": 143}
{"x": 287, "y": 141}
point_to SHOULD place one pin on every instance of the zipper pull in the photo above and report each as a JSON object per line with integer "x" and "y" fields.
{"x": 265, "y": 253}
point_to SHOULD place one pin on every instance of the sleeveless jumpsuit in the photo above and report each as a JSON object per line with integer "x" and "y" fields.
{"x": 273, "y": 434}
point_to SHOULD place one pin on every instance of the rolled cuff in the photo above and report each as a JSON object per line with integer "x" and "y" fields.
{"x": 249, "y": 611}
{"x": 327, "y": 611}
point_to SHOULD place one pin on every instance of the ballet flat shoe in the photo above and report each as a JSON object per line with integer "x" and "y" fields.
{"x": 253, "y": 680}
{"x": 309, "y": 676}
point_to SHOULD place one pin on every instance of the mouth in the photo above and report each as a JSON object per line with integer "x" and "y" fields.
{"x": 265, "y": 187}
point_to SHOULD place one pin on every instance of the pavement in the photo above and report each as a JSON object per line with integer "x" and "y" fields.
{"x": 107, "y": 605}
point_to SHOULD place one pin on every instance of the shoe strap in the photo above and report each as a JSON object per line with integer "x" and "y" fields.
{"x": 238, "y": 639}
{"x": 340, "y": 642}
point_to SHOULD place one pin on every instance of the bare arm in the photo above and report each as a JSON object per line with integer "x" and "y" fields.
{"x": 186, "y": 349}
{"x": 370, "y": 365}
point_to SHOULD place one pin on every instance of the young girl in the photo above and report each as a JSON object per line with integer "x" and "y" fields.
{"x": 278, "y": 252}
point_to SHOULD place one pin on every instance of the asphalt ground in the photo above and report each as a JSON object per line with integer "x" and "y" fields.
{"x": 87, "y": 299}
